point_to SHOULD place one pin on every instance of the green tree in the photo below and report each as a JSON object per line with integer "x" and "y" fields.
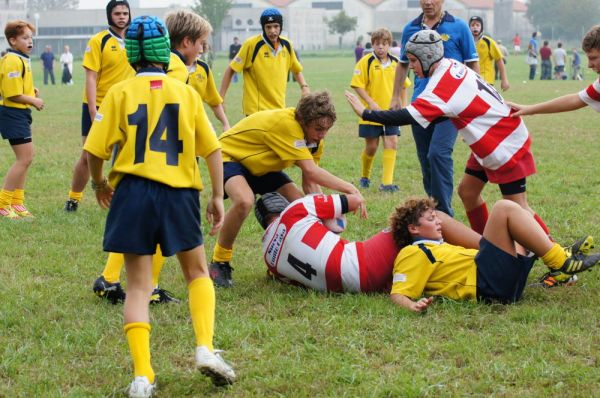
{"x": 45, "y": 5}
{"x": 341, "y": 24}
{"x": 560, "y": 19}
{"x": 214, "y": 11}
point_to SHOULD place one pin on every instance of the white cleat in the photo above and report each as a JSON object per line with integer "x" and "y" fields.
{"x": 141, "y": 388}
{"x": 212, "y": 365}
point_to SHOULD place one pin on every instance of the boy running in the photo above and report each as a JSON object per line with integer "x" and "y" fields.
{"x": 17, "y": 95}
{"x": 160, "y": 127}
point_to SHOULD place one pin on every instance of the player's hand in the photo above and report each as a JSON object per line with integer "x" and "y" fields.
{"x": 304, "y": 91}
{"x": 422, "y": 304}
{"x": 355, "y": 103}
{"x": 517, "y": 110}
{"x": 504, "y": 85}
{"x": 395, "y": 103}
{"x": 104, "y": 196}
{"x": 226, "y": 127}
{"x": 215, "y": 214}
{"x": 36, "y": 92}
{"x": 38, "y": 103}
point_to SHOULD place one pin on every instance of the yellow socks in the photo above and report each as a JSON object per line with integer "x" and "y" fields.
{"x": 366, "y": 162}
{"x": 202, "y": 310}
{"x": 555, "y": 258}
{"x": 18, "y": 197}
{"x": 112, "y": 269}
{"x": 6, "y": 198}
{"x": 157, "y": 263}
{"x": 389, "y": 163}
{"x": 75, "y": 195}
{"x": 222, "y": 255}
{"x": 138, "y": 337}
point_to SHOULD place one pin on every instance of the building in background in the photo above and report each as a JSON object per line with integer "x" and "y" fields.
{"x": 9, "y": 10}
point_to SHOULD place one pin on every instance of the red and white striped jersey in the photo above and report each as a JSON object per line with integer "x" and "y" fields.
{"x": 298, "y": 247}
{"x": 591, "y": 95}
{"x": 477, "y": 110}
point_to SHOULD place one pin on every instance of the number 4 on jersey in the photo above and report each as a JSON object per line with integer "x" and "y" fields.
{"x": 304, "y": 269}
{"x": 169, "y": 121}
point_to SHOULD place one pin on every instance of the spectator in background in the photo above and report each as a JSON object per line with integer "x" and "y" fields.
{"x": 517, "y": 43}
{"x": 368, "y": 49}
{"x": 395, "y": 49}
{"x": 358, "y": 51}
{"x": 532, "y": 49}
{"x": 504, "y": 52}
{"x": 66, "y": 60}
{"x": 207, "y": 55}
{"x": 545, "y": 55}
{"x": 560, "y": 60}
{"x": 234, "y": 48}
{"x": 576, "y": 66}
{"x": 48, "y": 63}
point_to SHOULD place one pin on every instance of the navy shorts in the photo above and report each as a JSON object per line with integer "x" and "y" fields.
{"x": 86, "y": 121}
{"x": 371, "y": 131}
{"x": 269, "y": 182}
{"x": 144, "y": 213}
{"x": 15, "y": 123}
{"x": 501, "y": 277}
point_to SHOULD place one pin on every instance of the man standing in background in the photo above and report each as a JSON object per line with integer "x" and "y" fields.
{"x": 234, "y": 48}
{"x": 48, "y": 63}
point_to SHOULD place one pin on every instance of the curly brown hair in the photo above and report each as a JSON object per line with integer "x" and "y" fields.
{"x": 591, "y": 40}
{"x": 315, "y": 106}
{"x": 409, "y": 213}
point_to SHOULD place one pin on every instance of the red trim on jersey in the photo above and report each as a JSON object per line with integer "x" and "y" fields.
{"x": 333, "y": 268}
{"x": 364, "y": 277}
{"x": 428, "y": 110}
{"x": 515, "y": 159}
{"x": 314, "y": 235}
{"x": 324, "y": 206}
{"x": 293, "y": 214}
{"x": 476, "y": 108}
{"x": 495, "y": 135}
{"x": 448, "y": 85}
{"x": 593, "y": 93}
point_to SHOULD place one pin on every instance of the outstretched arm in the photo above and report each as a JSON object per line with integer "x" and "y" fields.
{"x": 566, "y": 103}
{"x": 415, "y": 306}
{"x": 395, "y": 117}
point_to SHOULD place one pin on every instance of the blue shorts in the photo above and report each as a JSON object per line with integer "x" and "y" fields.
{"x": 500, "y": 276}
{"x": 15, "y": 123}
{"x": 86, "y": 121}
{"x": 371, "y": 131}
{"x": 269, "y": 182}
{"x": 144, "y": 213}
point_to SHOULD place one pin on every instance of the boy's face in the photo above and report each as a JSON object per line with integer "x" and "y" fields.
{"x": 316, "y": 130}
{"x": 593, "y": 59}
{"x": 120, "y": 16}
{"x": 381, "y": 48}
{"x": 273, "y": 30}
{"x": 429, "y": 226}
{"x": 475, "y": 27}
{"x": 23, "y": 42}
{"x": 192, "y": 49}
{"x": 415, "y": 65}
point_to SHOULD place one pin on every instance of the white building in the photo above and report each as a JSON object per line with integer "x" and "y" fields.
{"x": 9, "y": 10}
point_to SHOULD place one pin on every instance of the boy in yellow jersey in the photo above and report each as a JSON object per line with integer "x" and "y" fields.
{"x": 17, "y": 95}
{"x": 489, "y": 55}
{"x": 265, "y": 61}
{"x": 496, "y": 272}
{"x": 152, "y": 193}
{"x": 105, "y": 64}
{"x": 373, "y": 81}
{"x": 256, "y": 151}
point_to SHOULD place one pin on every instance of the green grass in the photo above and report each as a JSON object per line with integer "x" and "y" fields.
{"x": 58, "y": 339}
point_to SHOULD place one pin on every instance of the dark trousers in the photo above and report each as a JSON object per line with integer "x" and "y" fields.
{"x": 46, "y": 73}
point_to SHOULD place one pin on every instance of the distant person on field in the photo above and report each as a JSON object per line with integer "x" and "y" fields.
{"x": 368, "y": 49}
{"x": 517, "y": 44}
{"x": 153, "y": 193}
{"x": 358, "y": 51}
{"x": 489, "y": 53}
{"x": 104, "y": 63}
{"x": 546, "y": 57}
{"x": 17, "y": 96}
{"x": 48, "y": 64}
{"x": 505, "y": 54}
{"x": 576, "y": 66}
{"x": 234, "y": 48}
{"x": 496, "y": 272}
{"x": 395, "y": 49}
{"x": 373, "y": 81}
{"x": 532, "y": 55}
{"x": 265, "y": 61}
{"x": 66, "y": 60}
{"x": 560, "y": 60}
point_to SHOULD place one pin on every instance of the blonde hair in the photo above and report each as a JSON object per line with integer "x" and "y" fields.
{"x": 381, "y": 34}
{"x": 15, "y": 28}
{"x": 184, "y": 23}
{"x": 591, "y": 40}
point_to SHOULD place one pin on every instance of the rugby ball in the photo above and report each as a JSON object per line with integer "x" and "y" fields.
{"x": 336, "y": 225}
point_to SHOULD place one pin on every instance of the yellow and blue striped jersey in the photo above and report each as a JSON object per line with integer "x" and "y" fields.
{"x": 489, "y": 53}
{"x": 201, "y": 79}
{"x": 15, "y": 78}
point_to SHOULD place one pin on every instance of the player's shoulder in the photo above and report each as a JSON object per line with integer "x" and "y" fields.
{"x": 202, "y": 66}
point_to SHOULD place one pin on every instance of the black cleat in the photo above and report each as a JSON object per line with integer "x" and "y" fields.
{"x": 220, "y": 273}
{"x": 110, "y": 291}
{"x": 162, "y": 296}
{"x": 71, "y": 205}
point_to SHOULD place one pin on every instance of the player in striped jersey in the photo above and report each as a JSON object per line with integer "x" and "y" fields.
{"x": 500, "y": 144}
{"x": 299, "y": 249}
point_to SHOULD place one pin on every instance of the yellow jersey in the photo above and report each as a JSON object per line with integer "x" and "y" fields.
{"x": 15, "y": 78}
{"x": 105, "y": 54}
{"x": 268, "y": 141}
{"x": 265, "y": 72}
{"x": 489, "y": 53}
{"x": 377, "y": 79}
{"x": 201, "y": 79}
{"x": 177, "y": 67}
{"x": 432, "y": 268}
{"x": 159, "y": 127}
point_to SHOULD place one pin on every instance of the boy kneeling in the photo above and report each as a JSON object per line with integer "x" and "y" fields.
{"x": 496, "y": 272}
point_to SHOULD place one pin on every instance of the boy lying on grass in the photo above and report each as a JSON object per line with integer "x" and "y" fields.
{"x": 511, "y": 242}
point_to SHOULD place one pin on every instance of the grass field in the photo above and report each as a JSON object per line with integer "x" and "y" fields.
{"x": 59, "y": 340}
